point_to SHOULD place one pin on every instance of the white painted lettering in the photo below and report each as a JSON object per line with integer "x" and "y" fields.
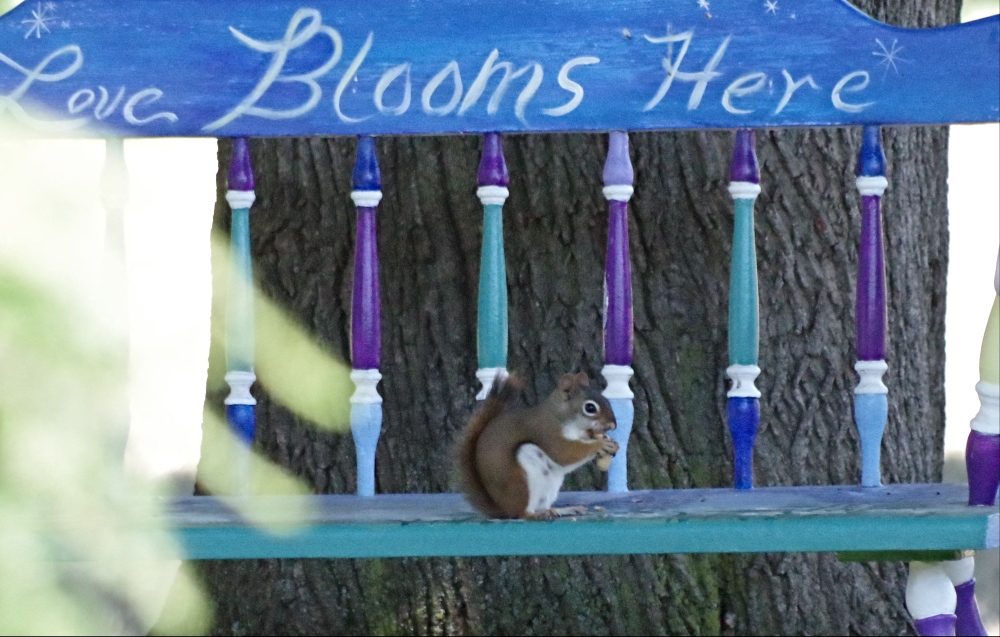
{"x": 293, "y": 39}
{"x": 790, "y": 87}
{"x": 100, "y": 112}
{"x": 842, "y": 87}
{"x": 9, "y": 102}
{"x": 147, "y": 96}
{"x": 529, "y": 92}
{"x": 700, "y": 78}
{"x": 425, "y": 97}
{"x": 571, "y": 86}
{"x": 74, "y": 106}
{"x": 509, "y": 75}
{"x": 349, "y": 75}
{"x": 383, "y": 84}
{"x": 669, "y": 39}
{"x": 739, "y": 88}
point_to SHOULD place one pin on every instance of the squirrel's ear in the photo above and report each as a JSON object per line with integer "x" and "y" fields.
{"x": 582, "y": 379}
{"x": 567, "y": 382}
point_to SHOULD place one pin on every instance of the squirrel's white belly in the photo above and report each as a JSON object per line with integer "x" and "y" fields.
{"x": 545, "y": 477}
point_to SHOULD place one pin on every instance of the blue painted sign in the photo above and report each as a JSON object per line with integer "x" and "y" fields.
{"x": 338, "y": 67}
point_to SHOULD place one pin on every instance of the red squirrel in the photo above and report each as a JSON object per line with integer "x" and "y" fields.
{"x": 513, "y": 459}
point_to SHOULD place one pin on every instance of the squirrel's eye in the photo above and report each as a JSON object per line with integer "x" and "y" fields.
{"x": 590, "y": 408}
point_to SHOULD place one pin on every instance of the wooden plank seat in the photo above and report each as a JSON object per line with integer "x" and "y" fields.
{"x": 903, "y": 517}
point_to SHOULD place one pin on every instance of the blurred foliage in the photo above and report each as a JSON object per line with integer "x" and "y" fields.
{"x": 71, "y": 559}
{"x": 85, "y": 547}
{"x": 291, "y": 365}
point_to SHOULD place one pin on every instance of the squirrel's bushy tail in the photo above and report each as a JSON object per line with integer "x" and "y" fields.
{"x": 504, "y": 391}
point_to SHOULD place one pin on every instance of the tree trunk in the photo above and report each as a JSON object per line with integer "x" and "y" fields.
{"x": 681, "y": 222}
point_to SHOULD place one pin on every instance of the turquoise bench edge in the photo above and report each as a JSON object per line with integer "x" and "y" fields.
{"x": 813, "y": 525}
{"x": 586, "y": 537}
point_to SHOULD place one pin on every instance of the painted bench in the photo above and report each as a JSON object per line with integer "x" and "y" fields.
{"x": 113, "y": 70}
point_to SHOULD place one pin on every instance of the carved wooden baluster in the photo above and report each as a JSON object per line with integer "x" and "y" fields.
{"x": 618, "y": 179}
{"x": 114, "y": 194}
{"x": 240, "y": 404}
{"x": 871, "y": 401}
{"x": 744, "y": 398}
{"x": 366, "y": 317}
{"x": 114, "y": 198}
{"x": 982, "y": 452}
{"x": 960, "y": 572}
{"x": 492, "y": 324}
{"x": 931, "y": 599}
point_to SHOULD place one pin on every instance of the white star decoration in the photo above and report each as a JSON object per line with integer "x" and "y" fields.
{"x": 703, "y": 4}
{"x": 889, "y": 56}
{"x": 40, "y": 18}
{"x": 771, "y": 7}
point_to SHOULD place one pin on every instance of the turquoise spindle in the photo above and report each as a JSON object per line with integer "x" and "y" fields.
{"x": 366, "y": 317}
{"x": 240, "y": 410}
{"x": 744, "y": 398}
{"x": 618, "y": 179}
{"x": 492, "y": 323}
{"x": 871, "y": 401}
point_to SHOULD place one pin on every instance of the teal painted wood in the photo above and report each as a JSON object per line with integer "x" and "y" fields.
{"x": 240, "y": 338}
{"x": 492, "y": 326}
{"x": 744, "y": 336}
{"x": 778, "y": 519}
{"x": 278, "y": 67}
{"x": 239, "y": 313}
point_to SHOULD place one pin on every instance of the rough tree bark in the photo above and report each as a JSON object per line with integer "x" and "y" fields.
{"x": 555, "y": 227}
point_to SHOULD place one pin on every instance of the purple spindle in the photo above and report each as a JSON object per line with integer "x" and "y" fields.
{"x": 492, "y": 167}
{"x": 743, "y": 167}
{"x": 617, "y": 371}
{"x": 240, "y": 170}
{"x": 871, "y": 322}
{"x": 982, "y": 452}
{"x": 961, "y": 572}
{"x": 366, "y": 317}
{"x": 618, "y": 178}
{"x": 982, "y": 459}
{"x": 871, "y": 402}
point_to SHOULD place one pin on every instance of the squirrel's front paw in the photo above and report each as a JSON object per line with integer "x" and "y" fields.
{"x": 608, "y": 446}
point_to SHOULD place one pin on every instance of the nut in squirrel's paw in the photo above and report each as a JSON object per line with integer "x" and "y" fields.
{"x": 608, "y": 449}
{"x": 604, "y": 461}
